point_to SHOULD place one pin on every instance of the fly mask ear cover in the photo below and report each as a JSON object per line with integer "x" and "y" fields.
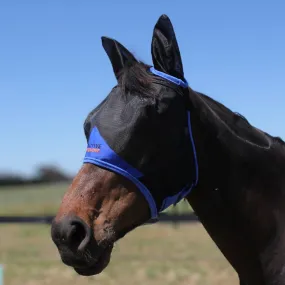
{"x": 120, "y": 139}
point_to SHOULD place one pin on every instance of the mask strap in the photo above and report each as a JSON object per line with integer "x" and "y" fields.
{"x": 170, "y": 78}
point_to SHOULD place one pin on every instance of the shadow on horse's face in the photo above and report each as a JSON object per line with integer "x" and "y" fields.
{"x": 140, "y": 157}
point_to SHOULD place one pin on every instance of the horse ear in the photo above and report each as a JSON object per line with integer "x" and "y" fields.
{"x": 117, "y": 54}
{"x": 164, "y": 49}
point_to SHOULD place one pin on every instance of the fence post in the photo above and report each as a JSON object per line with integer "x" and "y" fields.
{"x": 1, "y": 275}
{"x": 175, "y": 211}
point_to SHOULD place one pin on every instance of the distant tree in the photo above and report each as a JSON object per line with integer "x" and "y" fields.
{"x": 51, "y": 173}
{"x": 11, "y": 179}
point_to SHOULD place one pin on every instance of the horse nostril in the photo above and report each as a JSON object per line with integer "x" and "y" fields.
{"x": 76, "y": 235}
{"x": 73, "y": 233}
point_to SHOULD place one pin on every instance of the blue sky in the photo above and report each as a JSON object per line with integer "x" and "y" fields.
{"x": 53, "y": 69}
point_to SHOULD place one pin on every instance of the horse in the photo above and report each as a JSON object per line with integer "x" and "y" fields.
{"x": 154, "y": 141}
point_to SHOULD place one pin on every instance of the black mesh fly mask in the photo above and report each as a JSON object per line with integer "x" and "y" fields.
{"x": 147, "y": 140}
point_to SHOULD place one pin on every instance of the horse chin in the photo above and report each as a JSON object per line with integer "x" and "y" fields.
{"x": 97, "y": 267}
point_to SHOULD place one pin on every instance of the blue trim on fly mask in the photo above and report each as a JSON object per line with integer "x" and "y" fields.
{"x": 170, "y": 78}
{"x": 99, "y": 153}
{"x": 172, "y": 200}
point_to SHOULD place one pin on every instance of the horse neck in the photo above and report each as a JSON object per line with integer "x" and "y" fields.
{"x": 230, "y": 164}
{"x": 219, "y": 150}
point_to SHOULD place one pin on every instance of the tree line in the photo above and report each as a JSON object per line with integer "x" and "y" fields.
{"x": 43, "y": 174}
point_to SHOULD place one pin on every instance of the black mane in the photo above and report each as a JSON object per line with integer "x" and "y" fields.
{"x": 136, "y": 79}
{"x": 238, "y": 120}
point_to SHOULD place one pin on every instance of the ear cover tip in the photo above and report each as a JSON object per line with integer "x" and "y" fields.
{"x": 164, "y": 17}
{"x": 105, "y": 39}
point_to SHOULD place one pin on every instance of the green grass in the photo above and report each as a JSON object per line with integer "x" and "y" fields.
{"x": 45, "y": 200}
{"x": 31, "y": 200}
{"x": 152, "y": 255}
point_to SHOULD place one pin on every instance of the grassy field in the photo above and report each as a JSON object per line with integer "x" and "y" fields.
{"x": 152, "y": 255}
{"x": 31, "y": 200}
